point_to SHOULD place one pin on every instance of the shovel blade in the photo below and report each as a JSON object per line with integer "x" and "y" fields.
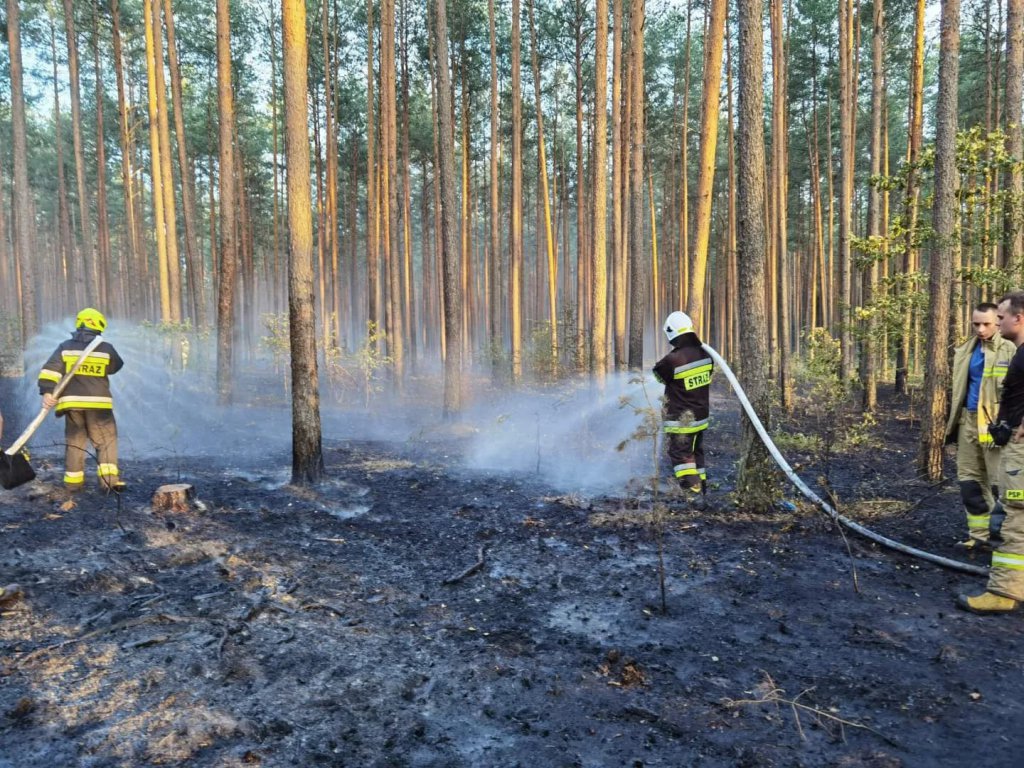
{"x": 15, "y": 470}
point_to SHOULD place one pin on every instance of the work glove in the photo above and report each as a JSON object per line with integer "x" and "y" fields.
{"x": 1001, "y": 433}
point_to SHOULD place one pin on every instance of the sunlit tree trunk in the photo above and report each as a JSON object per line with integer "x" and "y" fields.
{"x": 193, "y": 259}
{"x": 156, "y": 167}
{"x": 104, "y": 277}
{"x": 599, "y": 289}
{"x": 549, "y": 238}
{"x": 516, "y": 222}
{"x": 706, "y": 163}
{"x": 582, "y": 255}
{"x": 874, "y": 223}
{"x": 637, "y": 261}
{"x": 409, "y": 312}
{"x": 755, "y": 480}
{"x": 449, "y": 213}
{"x": 618, "y": 152}
{"x": 685, "y": 254}
{"x": 946, "y": 240}
{"x": 227, "y": 249}
{"x": 780, "y": 174}
{"x": 331, "y": 182}
{"x": 69, "y": 271}
{"x": 127, "y": 174}
{"x": 915, "y": 121}
{"x": 84, "y": 198}
{"x": 389, "y": 191}
{"x": 847, "y": 76}
{"x": 307, "y": 452}
{"x": 372, "y": 195}
{"x": 1013, "y": 222}
{"x": 494, "y": 316}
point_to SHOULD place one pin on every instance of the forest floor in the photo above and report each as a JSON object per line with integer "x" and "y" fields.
{"x": 346, "y": 625}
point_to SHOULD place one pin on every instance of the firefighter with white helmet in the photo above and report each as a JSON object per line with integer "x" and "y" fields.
{"x": 86, "y": 403}
{"x": 686, "y": 373}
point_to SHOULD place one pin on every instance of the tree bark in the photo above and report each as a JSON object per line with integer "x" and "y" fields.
{"x": 84, "y": 214}
{"x": 874, "y": 224}
{"x": 228, "y": 254}
{"x": 1013, "y": 221}
{"x": 706, "y": 164}
{"x": 599, "y": 284}
{"x": 449, "y": 213}
{"x": 946, "y": 239}
{"x": 637, "y": 258}
{"x": 307, "y": 452}
{"x": 516, "y": 223}
{"x": 755, "y": 484}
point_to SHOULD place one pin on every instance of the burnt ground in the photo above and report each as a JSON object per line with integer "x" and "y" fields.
{"x": 274, "y": 625}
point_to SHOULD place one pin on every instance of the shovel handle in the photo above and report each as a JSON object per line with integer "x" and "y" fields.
{"x": 31, "y": 428}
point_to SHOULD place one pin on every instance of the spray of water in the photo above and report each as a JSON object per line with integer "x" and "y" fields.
{"x": 166, "y": 405}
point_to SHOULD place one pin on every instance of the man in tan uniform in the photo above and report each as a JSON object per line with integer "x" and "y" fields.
{"x": 979, "y": 367}
{"x": 1006, "y": 577}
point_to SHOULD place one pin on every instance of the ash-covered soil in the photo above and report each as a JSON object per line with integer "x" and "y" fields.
{"x": 346, "y": 625}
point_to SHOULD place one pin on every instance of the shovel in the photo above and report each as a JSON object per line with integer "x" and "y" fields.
{"x": 14, "y": 467}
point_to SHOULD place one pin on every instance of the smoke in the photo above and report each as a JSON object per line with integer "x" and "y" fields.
{"x": 576, "y": 438}
{"x": 166, "y": 406}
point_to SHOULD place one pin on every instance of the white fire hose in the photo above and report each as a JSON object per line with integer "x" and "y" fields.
{"x": 945, "y": 562}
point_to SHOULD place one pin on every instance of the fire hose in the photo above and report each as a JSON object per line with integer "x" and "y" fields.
{"x": 839, "y": 519}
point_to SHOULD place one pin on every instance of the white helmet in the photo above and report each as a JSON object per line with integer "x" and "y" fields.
{"x": 676, "y": 324}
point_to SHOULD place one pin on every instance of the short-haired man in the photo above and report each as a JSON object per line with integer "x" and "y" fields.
{"x": 979, "y": 367}
{"x": 1006, "y": 577}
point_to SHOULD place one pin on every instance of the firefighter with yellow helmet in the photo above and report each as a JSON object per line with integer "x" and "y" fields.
{"x": 686, "y": 373}
{"x": 85, "y": 404}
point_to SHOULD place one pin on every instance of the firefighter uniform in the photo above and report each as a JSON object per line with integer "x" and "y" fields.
{"x": 1006, "y": 577}
{"x": 982, "y": 363}
{"x": 86, "y": 404}
{"x": 686, "y": 373}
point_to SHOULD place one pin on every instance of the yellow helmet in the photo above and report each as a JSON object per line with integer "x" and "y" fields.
{"x": 92, "y": 319}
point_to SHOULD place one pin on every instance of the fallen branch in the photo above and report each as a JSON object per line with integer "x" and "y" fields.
{"x": 469, "y": 571}
{"x": 774, "y": 695}
{"x": 125, "y": 624}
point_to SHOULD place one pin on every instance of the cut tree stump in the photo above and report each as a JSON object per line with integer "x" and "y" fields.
{"x": 176, "y": 497}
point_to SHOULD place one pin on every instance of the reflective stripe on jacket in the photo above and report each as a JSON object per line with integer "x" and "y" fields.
{"x": 686, "y": 373}
{"x": 90, "y": 387}
{"x": 998, "y": 353}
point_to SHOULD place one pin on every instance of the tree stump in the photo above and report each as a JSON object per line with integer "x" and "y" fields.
{"x": 176, "y": 497}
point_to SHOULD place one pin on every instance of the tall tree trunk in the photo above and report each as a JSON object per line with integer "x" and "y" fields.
{"x": 780, "y": 193}
{"x": 227, "y": 249}
{"x": 582, "y": 257}
{"x": 450, "y": 250}
{"x": 127, "y": 174}
{"x": 516, "y": 222}
{"x": 103, "y": 259}
{"x": 68, "y": 269}
{"x": 84, "y": 214}
{"x": 847, "y": 76}
{"x": 618, "y": 152}
{"x": 156, "y": 166}
{"x": 307, "y": 452}
{"x": 946, "y": 239}
{"x": 706, "y": 165}
{"x": 685, "y": 254}
{"x": 868, "y": 363}
{"x": 599, "y": 284}
{"x": 1013, "y": 222}
{"x": 494, "y": 316}
{"x": 755, "y": 481}
{"x": 372, "y": 197}
{"x": 637, "y": 261}
{"x": 389, "y": 190}
{"x": 915, "y": 122}
{"x": 542, "y": 170}
{"x": 193, "y": 258}
{"x": 167, "y": 176}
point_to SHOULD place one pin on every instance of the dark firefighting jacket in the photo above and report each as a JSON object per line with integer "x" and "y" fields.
{"x": 686, "y": 373}
{"x": 90, "y": 387}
